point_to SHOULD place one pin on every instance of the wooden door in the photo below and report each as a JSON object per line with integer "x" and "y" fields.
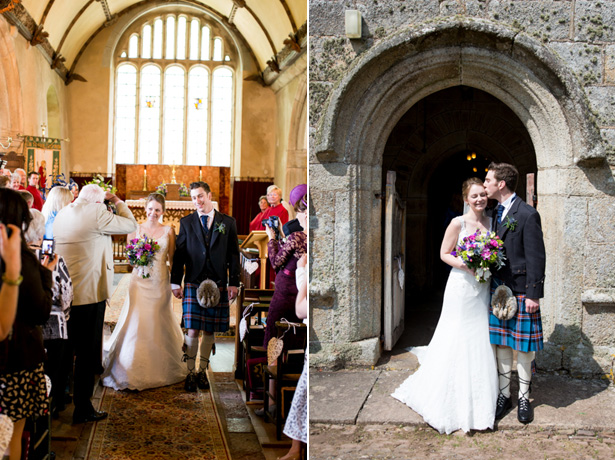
{"x": 394, "y": 264}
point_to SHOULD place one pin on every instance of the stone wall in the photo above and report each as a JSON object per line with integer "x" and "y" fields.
{"x": 553, "y": 64}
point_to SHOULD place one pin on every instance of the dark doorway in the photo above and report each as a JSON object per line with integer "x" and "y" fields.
{"x": 441, "y": 141}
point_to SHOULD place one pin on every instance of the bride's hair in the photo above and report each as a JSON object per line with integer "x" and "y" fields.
{"x": 157, "y": 197}
{"x": 467, "y": 184}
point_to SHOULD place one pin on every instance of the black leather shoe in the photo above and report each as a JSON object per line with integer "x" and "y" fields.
{"x": 94, "y": 416}
{"x": 190, "y": 384}
{"x": 201, "y": 380}
{"x": 503, "y": 406}
{"x": 525, "y": 413}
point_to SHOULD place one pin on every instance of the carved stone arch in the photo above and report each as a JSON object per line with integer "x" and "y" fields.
{"x": 347, "y": 164}
{"x": 516, "y": 69}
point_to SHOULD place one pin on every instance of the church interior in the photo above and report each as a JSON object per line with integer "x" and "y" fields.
{"x": 147, "y": 95}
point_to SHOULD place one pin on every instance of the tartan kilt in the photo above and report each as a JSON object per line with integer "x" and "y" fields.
{"x": 214, "y": 319}
{"x": 523, "y": 332}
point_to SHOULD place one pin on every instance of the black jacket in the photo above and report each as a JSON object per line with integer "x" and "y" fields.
{"x": 190, "y": 250}
{"x": 524, "y": 269}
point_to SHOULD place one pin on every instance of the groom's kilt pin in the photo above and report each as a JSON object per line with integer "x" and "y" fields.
{"x": 523, "y": 332}
{"x": 214, "y": 319}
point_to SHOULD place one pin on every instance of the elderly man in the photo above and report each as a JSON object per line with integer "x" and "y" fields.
{"x": 83, "y": 232}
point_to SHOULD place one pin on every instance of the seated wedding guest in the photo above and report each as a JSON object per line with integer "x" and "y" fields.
{"x": 256, "y": 223}
{"x": 27, "y": 196}
{"x": 33, "y": 178}
{"x": 82, "y": 231}
{"x": 276, "y": 208}
{"x": 24, "y": 390}
{"x": 284, "y": 256}
{"x": 5, "y": 181}
{"x": 6, "y": 172}
{"x": 55, "y": 335}
{"x": 23, "y": 178}
{"x": 57, "y": 198}
{"x": 16, "y": 181}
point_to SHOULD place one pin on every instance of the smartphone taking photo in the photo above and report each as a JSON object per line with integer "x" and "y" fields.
{"x": 47, "y": 248}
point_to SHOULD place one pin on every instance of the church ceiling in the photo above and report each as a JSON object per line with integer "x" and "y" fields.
{"x": 272, "y": 30}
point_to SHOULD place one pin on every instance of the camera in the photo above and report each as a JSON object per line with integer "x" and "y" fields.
{"x": 47, "y": 248}
{"x": 274, "y": 223}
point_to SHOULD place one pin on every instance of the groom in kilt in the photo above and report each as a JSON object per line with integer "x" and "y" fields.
{"x": 207, "y": 247}
{"x": 518, "y": 225}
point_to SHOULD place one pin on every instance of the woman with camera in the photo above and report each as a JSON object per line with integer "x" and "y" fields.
{"x": 55, "y": 335}
{"x": 22, "y": 379}
{"x": 284, "y": 256}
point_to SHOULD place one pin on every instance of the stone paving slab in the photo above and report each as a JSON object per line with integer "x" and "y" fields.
{"x": 363, "y": 397}
{"x": 337, "y": 397}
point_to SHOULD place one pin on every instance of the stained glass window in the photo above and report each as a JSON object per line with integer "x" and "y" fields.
{"x": 179, "y": 111}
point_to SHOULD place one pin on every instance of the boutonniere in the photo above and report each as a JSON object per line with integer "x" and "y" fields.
{"x": 220, "y": 227}
{"x": 510, "y": 224}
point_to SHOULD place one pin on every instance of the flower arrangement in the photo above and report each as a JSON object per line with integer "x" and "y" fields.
{"x": 100, "y": 181}
{"x": 161, "y": 189}
{"x": 481, "y": 252}
{"x": 140, "y": 253}
{"x": 183, "y": 190}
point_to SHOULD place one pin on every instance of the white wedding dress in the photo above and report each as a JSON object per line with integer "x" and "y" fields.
{"x": 145, "y": 349}
{"x": 456, "y": 385}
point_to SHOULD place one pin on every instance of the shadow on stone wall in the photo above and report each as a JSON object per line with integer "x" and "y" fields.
{"x": 567, "y": 373}
{"x": 599, "y": 174}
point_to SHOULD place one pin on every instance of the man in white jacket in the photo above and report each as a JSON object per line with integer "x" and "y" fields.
{"x": 83, "y": 232}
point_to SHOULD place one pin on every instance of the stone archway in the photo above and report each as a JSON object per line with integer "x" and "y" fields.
{"x": 346, "y": 165}
{"x": 296, "y": 171}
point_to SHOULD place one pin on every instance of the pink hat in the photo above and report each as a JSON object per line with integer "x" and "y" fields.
{"x": 297, "y": 193}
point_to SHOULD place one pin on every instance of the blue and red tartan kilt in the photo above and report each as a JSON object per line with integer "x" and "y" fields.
{"x": 523, "y": 332}
{"x": 214, "y": 319}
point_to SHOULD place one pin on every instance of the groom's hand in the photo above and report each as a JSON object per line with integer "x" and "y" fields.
{"x": 531, "y": 305}
{"x": 232, "y": 292}
{"x": 178, "y": 293}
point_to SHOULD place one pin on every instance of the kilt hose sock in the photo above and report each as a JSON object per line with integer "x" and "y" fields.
{"x": 505, "y": 360}
{"x": 524, "y": 369}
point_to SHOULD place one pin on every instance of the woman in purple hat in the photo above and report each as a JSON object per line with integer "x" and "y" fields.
{"x": 284, "y": 255}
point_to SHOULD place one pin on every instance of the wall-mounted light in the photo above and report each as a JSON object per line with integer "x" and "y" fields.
{"x": 353, "y": 24}
{"x": 473, "y": 156}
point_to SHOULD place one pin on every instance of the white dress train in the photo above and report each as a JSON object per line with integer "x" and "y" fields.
{"x": 456, "y": 386}
{"x": 145, "y": 349}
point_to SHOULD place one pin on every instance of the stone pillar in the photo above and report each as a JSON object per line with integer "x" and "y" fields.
{"x": 346, "y": 272}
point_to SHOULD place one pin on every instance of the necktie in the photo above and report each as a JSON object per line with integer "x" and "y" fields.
{"x": 204, "y": 222}
{"x": 500, "y": 211}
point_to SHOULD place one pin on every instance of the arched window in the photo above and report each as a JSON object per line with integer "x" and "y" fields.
{"x": 175, "y": 92}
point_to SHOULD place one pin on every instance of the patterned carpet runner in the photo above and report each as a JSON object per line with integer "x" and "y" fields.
{"x": 163, "y": 423}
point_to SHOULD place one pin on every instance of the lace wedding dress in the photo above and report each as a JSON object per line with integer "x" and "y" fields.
{"x": 145, "y": 349}
{"x": 456, "y": 386}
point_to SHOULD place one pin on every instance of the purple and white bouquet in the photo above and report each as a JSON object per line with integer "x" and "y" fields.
{"x": 480, "y": 253}
{"x": 140, "y": 253}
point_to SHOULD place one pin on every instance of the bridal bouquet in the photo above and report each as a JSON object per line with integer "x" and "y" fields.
{"x": 140, "y": 253}
{"x": 481, "y": 252}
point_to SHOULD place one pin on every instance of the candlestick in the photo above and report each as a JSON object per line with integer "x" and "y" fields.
{"x": 200, "y": 174}
{"x": 145, "y": 178}
{"x": 173, "y": 174}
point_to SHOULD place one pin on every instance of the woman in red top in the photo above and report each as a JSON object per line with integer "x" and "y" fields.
{"x": 256, "y": 223}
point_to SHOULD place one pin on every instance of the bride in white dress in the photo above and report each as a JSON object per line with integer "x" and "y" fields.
{"x": 456, "y": 385}
{"x": 145, "y": 349}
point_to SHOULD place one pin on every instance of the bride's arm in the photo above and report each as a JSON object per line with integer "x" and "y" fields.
{"x": 449, "y": 242}
{"x": 171, "y": 247}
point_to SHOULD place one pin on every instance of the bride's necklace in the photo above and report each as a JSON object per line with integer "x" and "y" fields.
{"x": 146, "y": 231}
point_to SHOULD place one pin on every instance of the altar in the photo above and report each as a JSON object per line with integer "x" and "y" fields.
{"x": 175, "y": 210}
